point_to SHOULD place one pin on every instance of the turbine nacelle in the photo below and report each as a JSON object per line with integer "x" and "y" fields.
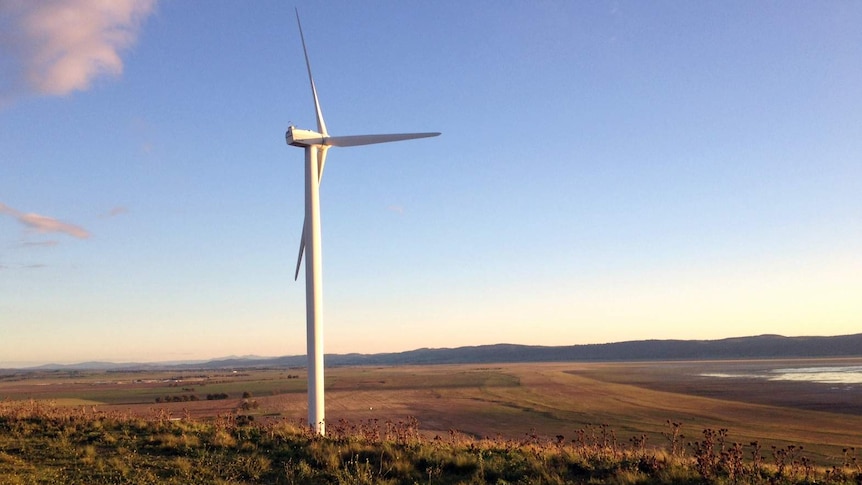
{"x": 303, "y": 138}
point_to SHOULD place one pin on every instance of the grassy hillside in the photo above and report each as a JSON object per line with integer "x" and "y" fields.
{"x": 511, "y": 400}
{"x": 41, "y": 443}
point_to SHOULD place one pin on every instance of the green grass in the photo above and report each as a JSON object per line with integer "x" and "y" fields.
{"x": 41, "y": 443}
{"x": 114, "y": 388}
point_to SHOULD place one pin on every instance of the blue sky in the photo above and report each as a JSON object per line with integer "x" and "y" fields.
{"x": 607, "y": 171}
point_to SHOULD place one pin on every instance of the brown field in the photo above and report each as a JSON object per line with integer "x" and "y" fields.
{"x": 511, "y": 400}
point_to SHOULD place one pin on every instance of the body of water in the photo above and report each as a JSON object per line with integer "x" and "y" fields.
{"x": 850, "y": 374}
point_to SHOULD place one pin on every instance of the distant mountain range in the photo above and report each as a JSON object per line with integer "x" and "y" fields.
{"x": 759, "y": 347}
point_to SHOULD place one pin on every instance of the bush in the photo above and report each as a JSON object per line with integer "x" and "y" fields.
{"x": 247, "y": 405}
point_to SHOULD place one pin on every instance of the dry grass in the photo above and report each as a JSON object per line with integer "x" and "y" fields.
{"x": 510, "y": 401}
{"x": 41, "y": 443}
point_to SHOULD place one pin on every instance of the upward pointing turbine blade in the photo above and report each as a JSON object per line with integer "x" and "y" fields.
{"x": 357, "y": 140}
{"x": 321, "y": 126}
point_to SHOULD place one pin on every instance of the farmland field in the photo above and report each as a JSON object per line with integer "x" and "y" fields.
{"x": 509, "y": 400}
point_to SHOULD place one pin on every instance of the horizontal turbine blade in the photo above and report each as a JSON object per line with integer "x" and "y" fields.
{"x": 356, "y": 140}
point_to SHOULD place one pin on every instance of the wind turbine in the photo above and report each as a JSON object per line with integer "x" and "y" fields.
{"x": 316, "y": 144}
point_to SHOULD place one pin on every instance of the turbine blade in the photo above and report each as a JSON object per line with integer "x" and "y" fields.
{"x": 321, "y": 126}
{"x": 356, "y": 140}
{"x": 301, "y": 250}
{"x": 321, "y": 161}
{"x": 321, "y": 158}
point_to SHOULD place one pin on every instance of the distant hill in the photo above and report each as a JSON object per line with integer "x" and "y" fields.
{"x": 759, "y": 347}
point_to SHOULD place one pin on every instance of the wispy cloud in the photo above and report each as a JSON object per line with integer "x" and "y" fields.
{"x": 396, "y": 209}
{"x": 30, "y": 244}
{"x": 61, "y": 46}
{"x": 44, "y": 224}
{"x": 115, "y": 211}
{"x": 22, "y": 266}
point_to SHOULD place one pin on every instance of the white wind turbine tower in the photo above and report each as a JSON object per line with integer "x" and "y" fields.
{"x": 316, "y": 144}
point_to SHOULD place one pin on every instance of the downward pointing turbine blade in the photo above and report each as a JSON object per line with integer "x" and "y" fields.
{"x": 321, "y": 160}
{"x": 356, "y": 140}
{"x": 301, "y": 250}
{"x": 321, "y": 126}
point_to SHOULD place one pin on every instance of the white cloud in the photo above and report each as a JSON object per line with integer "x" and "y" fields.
{"x": 61, "y": 46}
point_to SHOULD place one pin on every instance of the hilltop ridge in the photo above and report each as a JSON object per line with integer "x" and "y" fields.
{"x": 755, "y": 347}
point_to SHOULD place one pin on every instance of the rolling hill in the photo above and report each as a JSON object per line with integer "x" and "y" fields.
{"x": 757, "y": 347}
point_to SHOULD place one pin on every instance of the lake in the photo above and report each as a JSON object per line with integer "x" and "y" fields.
{"x": 847, "y": 374}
